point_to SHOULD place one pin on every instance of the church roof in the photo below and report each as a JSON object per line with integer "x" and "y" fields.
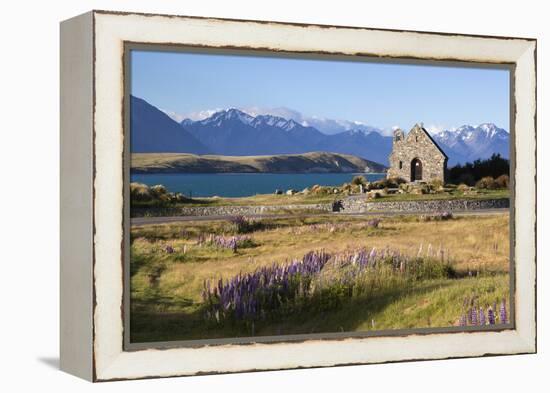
{"x": 431, "y": 139}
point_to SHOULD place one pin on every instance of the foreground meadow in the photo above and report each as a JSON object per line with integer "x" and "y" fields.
{"x": 236, "y": 278}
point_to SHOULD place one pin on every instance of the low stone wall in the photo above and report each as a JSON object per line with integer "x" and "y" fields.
{"x": 361, "y": 205}
{"x": 227, "y": 210}
{"x": 348, "y": 205}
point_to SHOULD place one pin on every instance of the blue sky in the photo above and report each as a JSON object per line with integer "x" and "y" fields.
{"x": 380, "y": 95}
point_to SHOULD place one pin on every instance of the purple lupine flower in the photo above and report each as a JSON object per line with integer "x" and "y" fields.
{"x": 502, "y": 312}
{"x": 473, "y": 316}
{"x": 462, "y": 321}
{"x": 481, "y": 317}
{"x": 491, "y": 316}
{"x": 169, "y": 249}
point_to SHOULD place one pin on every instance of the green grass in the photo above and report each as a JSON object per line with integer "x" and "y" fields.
{"x": 166, "y": 302}
{"x": 427, "y": 303}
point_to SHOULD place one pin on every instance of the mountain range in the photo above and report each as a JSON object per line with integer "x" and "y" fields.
{"x": 233, "y": 132}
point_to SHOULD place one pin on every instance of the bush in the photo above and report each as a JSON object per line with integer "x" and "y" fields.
{"x": 393, "y": 182}
{"x": 359, "y": 180}
{"x": 503, "y": 181}
{"x": 158, "y": 195}
{"x": 462, "y": 188}
{"x": 242, "y": 224}
{"x": 486, "y": 183}
{"x": 321, "y": 190}
{"x": 140, "y": 192}
{"x": 436, "y": 184}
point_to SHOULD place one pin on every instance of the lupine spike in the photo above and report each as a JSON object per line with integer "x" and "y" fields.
{"x": 474, "y": 316}
{"x": 502, "y": 312}
{"x": 491, "y": 316}
{"x": 481, "y": 317}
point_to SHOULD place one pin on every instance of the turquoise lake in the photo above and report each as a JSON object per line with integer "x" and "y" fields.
{"x": 244, "y": 184}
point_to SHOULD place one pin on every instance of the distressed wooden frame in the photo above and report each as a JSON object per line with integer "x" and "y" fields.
{"x": 92, "y": 203}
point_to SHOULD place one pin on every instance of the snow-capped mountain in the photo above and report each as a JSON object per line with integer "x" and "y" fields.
{"x": 233, "y": 132}
{"x": 325, "y": 125}
{"x": 236, "y": 132}
{"x": 468, "y": 143}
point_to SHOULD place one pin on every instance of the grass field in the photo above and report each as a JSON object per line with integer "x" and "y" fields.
{"x": 314, "y": 198}
{"x": 169, "y": 269}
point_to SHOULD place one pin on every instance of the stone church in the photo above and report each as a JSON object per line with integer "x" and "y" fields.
{"x": 416, "y": 156}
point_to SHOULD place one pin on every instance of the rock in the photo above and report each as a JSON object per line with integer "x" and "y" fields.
{"x": 290, "y": 192}
{"x": 305, "y": 191}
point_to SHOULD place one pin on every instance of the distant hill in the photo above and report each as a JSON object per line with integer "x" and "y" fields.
{"x": 153, "y": 131}
{"x": 316, "y": 162}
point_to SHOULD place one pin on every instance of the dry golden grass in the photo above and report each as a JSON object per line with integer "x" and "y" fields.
{"x": 476, "y": 243}
{"x": 169, "y": 307}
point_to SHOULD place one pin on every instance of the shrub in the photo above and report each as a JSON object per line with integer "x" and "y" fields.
{"x": 462, "y": 187}
{"x": 486, "y": 183}
{"x": 242, "y": 224}
{"x": 321, "y": 190}
{"x": 158, "y": 190}
{"x": 436, "y": 184}
{"x": 140, "y": 192}
{"x": 503, "y": 181}
{"x": 347, "y": 187}
{"x": 357, "y": 180}
{"x": 393, "y": 182}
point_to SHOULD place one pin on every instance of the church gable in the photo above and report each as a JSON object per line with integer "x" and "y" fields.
{"x": 416, "y": 156}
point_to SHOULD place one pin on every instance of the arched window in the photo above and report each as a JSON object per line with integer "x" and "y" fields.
{"x": 416, "y": 170}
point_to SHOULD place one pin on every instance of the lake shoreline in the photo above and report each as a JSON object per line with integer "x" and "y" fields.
{"x": 238, "y": 185}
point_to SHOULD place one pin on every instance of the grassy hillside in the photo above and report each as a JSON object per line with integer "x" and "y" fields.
{"x": 317, "y": 162}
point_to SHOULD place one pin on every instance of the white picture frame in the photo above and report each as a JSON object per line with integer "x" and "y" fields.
{"x": 92, "y": 198}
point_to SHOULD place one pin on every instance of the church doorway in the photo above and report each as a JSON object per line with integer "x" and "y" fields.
{"x": 416, "y": 170}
